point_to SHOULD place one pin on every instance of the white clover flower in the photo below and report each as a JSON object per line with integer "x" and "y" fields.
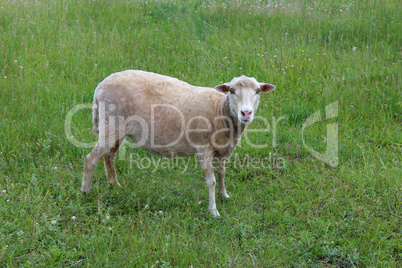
{"x": 73, "y": 218}
{"x": 4, "y": 191}
{"x": 54, "y": 222}
{"x": 110, "y": 228}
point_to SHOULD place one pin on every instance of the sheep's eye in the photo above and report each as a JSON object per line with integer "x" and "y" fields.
{"x": 232, "y": 92}
{"x": 257, "y": 92}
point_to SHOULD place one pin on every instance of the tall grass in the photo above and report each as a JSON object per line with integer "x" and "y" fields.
{"x": 302, "y": 213}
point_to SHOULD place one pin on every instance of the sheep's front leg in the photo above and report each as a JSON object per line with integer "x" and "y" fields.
{"x": 221, "y": 179}
{"x": 206, "y": 165}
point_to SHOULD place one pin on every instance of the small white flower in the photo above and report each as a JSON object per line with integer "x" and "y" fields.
{"x": 160, "y": 212}
{"x": 54, "y": 222}
{"x": 73, "y": 218}
{"x": 4, "y": 191}
{"x": 354, "y": 48}
{"x": 55, "y": 168}
{"x": 107, "y": 218}
{"x": 15, "y": 61}
{"x": 96, "y": 64}
{"x": 309, "y": 59}
{"x": 8, "y": 200}
{"x": 21, "y": 67}
{"x": 343, "y": 78}
{"x": 110, "y": 228}
{"x": 5, "y": 76}
{"x": 146, "y": 206}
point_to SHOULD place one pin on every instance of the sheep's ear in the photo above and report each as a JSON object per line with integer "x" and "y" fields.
{"x": 267, "y": 87}
{"x": 223, "y": 87}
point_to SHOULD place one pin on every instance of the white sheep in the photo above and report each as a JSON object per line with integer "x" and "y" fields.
{"x": 168, "y": 117}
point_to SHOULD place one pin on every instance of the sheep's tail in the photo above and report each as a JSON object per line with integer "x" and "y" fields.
{"x": 95, "y": 117}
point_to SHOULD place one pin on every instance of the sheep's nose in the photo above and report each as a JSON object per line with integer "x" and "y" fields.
{"x": 246, "y": 113}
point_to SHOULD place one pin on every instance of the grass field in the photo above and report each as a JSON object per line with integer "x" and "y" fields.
{"x": 293, "y": 210}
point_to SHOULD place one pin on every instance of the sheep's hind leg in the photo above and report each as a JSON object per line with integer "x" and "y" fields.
{"x": 221, "y": 179}
{"x": 109, "y": 164}
{"x": 90, "y": 163}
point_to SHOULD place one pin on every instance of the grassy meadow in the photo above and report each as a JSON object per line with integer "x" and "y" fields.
{"x": 287, "y": 207}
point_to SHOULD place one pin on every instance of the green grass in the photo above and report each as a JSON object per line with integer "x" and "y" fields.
{"x": 303, "y": 214}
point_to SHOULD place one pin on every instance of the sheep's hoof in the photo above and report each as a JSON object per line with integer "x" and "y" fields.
{"x": 83, "y": 190}
{"x": 115, "y": 184}
{"x": 224, "y": 195}
{"x": 215, "y": 213}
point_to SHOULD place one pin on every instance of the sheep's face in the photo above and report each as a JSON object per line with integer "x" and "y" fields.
{"x": 244, "y": 95}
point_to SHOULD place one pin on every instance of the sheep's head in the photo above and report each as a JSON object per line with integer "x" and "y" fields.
{"x": 244, "y": 95}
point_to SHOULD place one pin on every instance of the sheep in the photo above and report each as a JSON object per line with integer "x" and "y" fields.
{"x": 171, "y": 118}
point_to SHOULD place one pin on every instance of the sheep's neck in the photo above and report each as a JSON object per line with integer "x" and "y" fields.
{"x": 231, "y": 120}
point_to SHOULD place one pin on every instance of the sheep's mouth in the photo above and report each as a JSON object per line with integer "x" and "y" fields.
{"x": 245, "y": 121}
